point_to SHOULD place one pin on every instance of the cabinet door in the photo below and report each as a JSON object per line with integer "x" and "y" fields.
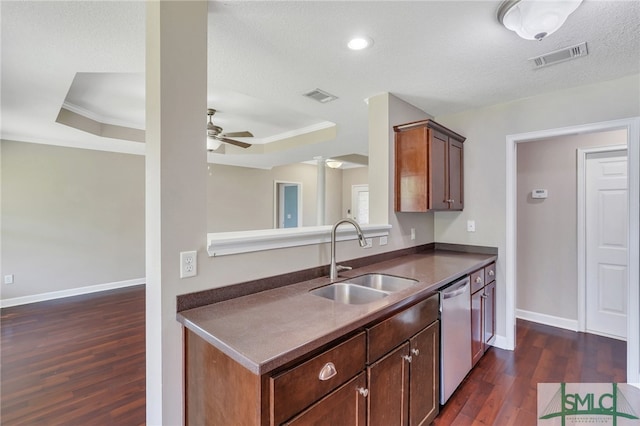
{"x": 344, "y": 406}
{"x": 411, "y": 190}
{"x": 388, "y": 401}
{"x": 489, "y": 314}
{"x": 477, "y": 327}
{"x": 424, "y": 377}
{"x": 438, "y": 162}
{"x": 455, "y": 175}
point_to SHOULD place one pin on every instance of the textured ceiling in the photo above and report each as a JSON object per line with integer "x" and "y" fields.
{"x": 441, "y": 56}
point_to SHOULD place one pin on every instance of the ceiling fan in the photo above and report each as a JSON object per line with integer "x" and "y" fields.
{"x": 215, "y": 135}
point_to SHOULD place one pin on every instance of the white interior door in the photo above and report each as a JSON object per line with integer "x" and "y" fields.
{"x": 606, "y": 243}
{"x": 360, "y": 203}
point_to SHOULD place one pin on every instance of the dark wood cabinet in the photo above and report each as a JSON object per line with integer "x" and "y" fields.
{"x": 404, "y": 374}
{"x": 424, "y": 384}
{"x": 388, "y": 380}
{"x": 483, "y": 313}
{"x": 429, "y": 167}
{"x": 344, "y": 406}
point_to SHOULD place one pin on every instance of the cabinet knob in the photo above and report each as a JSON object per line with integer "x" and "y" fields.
{"x": 327, "y": 372}
{"x": 478, "y": 280}
{"x": 363, "y": 391}
{"x": 406, "y": 358}
{"x": 415, "y": 351}
{"x": 484, "y": 296}
{"x": 450, "y": 201}
{"x": 491, "y": 273}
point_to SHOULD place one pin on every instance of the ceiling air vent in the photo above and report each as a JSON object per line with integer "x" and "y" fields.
{"x": 561, "y": 55}
{"x": 320, "y": 96}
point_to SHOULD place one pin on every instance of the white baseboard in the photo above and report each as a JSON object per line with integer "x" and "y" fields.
{"x": 23, "y": 300}
{"x": 567, "y": 324}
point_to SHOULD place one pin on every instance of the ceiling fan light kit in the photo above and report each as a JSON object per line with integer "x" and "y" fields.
{"x": 535, "y": 19}
{"x": 215, "y": 137}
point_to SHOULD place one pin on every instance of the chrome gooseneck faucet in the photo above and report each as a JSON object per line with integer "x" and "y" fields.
{"x": 334, "y": 268}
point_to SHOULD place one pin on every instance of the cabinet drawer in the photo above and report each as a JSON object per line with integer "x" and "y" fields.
{"x": 477, "y": 280}
{"x": 490, "y": 273}
{"x": 297, "y": 388}
{"x": 388, "y": 334}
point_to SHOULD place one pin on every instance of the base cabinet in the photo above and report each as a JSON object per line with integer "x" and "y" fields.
{"x": 386, "y": 374}
{"x": 483, "y": 313}
{"x": 404, "y": 383}
{"x": 344, "y": 406}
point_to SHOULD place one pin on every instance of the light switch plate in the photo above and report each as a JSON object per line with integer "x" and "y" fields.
{"x": 383, "y": 241}
{"x": 471, "y": 226}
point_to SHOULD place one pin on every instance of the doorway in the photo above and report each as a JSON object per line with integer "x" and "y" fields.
{"x": 632, "y": 128}
{"x": 288, "y": 204}
{"x": 360, "y": 203}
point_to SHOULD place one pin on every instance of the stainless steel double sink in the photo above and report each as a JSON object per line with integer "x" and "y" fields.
{"x": 363, "y": 289}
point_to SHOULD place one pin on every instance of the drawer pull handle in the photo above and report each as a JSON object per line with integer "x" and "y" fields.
{"x": 328, "y": 371}
{"x": 491, "y": 273}
{"x": 478, "y": 280}
{"x": 363, "y": 391}
{"x": 484, "y": 296}
{"x": 415, "y": 351}
{"x": 406, "y": 358}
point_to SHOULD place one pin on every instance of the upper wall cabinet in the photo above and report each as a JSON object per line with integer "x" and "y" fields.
{"x": 429, "y": 167}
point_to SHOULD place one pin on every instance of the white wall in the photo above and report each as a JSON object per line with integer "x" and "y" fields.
{"x": 546, "y": 260}
{"x": 69, "y": 221}
{"x": 485, "y": 156}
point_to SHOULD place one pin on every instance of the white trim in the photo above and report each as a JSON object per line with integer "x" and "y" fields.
{"x": 632, "y": 125}
{"x": 293, "y": 133}
{"x": 501, "y": 342}
{"x": 225, "y": 243}
{"x": 100, "y": 118}
{"x": 23, "y": 300}
{"x": 566, "y": 323}
{"x": 581, "y": 227}
{"x": 93, "y": 143}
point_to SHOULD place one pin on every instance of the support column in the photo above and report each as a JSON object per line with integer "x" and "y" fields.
{"x": 321, "y": 192}
{"x": 176, "y": 176}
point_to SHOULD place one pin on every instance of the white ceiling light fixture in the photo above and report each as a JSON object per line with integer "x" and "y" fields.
{"x": 334, "y": 164}
{"x": 535, "y": 19}
{"x": 360, "y": 43}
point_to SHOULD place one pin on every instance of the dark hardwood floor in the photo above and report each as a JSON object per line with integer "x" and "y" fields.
{"x": 81, "y": 361}
{"x": 74, "y": 361}
{"x": 502, "y": 388}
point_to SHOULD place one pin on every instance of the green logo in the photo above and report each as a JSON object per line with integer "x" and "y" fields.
{"x": 588, "y": 403}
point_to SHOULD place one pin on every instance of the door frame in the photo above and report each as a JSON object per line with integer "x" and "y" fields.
{"x": 632, "y": 126}
{"x": 276, "y": 201}
{"x": 582, "y": 154}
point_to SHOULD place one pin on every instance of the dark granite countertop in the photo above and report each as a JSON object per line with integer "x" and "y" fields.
{"x": 265, "y": 330}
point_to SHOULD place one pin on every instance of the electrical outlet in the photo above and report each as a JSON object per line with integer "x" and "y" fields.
{"x": 369, "y": 243}
{"x": 8, "y": 279}
{"x": 188, "y": 264}
{"x": 383, "y": 241}
{"x": 413, "y": 233}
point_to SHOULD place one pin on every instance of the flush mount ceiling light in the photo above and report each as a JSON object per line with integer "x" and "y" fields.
{"x": 535, "y": 19}
{"x": 334, "y": 164}
{"x": 359, "y": 43}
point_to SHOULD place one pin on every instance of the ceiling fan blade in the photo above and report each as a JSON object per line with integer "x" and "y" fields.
{"x": 233, "y": 142}
{"x": 244, "y": 134}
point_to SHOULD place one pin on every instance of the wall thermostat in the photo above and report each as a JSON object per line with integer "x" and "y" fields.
{"x": 539, "y": 193}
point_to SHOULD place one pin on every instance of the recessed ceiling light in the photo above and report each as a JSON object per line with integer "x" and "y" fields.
{"x": 359, "y": 43}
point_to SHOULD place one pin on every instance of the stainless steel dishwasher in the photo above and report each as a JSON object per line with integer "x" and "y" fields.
{"x": 455, "y": 336}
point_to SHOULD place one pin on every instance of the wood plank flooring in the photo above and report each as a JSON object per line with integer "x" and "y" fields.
{"x": 502, "y": 388}
{"x": 81, "y": 361}
{"x": 75, "y": 361}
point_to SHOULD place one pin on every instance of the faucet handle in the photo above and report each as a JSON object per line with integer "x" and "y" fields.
{"x": 343, "y": 268}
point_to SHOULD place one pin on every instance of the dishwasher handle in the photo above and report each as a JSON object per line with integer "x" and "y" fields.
{"x": 456, "y": 289}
